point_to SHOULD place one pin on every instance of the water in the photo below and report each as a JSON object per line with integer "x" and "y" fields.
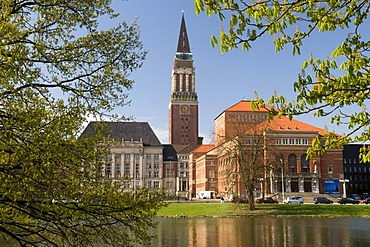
{"x": 260, "y": 232}
{"x": 286, "y": 232}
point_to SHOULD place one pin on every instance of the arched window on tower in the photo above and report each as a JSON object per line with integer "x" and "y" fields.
{"x": 305, "y": 164}
{"x": 183, "y": 84}
{"x": 190, "y": 83}
{"x": 177, "y": 81}
{"x": 292, "y": 161}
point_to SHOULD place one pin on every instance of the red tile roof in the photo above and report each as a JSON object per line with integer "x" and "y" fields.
{"x": 203, "y": 148}
{"x": 245, "y": 106}
{"x": 284, "y": 123}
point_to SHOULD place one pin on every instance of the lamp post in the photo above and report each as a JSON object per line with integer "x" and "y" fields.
{"x": 282, "y": 177}
{"x": 262, "y": 188}
{"x": 344, "y": 181}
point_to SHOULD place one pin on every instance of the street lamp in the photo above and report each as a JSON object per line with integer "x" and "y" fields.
{"x": 282, "y": 177}
{"x": 262, "y": 188}
{"x": 344, "y": 181}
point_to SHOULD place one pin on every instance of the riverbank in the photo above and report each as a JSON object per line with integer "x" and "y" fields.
{"x": 262, "y": 210}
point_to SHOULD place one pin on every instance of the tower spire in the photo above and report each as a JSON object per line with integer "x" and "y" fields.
{"x": 183, "y": 107}
{"x": 183, "y": 45}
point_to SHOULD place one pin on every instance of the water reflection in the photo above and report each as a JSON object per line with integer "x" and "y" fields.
{"x": 202, "y": 232}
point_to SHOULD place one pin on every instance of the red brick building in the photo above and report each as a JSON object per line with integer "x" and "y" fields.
{"x": 277, "y": 149}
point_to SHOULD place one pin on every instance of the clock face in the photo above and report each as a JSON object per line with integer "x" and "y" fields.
{"x": 184, "y": 109}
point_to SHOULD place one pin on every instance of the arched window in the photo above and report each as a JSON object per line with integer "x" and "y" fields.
{"x": 305, "y": 164}
{"x": 292, "y": 161}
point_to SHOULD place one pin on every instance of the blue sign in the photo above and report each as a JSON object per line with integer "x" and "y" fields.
{"x": 331, "y": 186}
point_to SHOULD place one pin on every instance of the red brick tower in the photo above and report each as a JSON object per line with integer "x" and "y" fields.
{"x": 183, "y": 107}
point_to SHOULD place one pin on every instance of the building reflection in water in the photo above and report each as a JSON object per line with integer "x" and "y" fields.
{"x": 203, "y": 232}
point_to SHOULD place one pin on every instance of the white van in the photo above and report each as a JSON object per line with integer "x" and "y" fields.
{"x": 208, "y": 194}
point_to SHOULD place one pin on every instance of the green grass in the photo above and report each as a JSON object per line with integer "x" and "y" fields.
{"x": 230, "y": 209}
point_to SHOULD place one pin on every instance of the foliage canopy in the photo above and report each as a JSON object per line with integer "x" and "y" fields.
{"x": 335, "y": 87}
{"x": 58, "y": 66}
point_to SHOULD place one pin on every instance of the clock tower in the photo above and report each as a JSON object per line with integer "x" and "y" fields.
{"x": 183, "y": 106}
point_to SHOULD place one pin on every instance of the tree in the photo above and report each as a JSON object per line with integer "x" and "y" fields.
{"x": 244, "y": 162}
{"x": 338, "y": 86}
{"x": 57, "y": 66}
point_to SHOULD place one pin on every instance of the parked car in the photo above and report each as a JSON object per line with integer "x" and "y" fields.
{"x": 365, "y": 201}
{"x": 294, "y": 199}
{"x": 354, "y": 196}
{"x": 322, "y": 200}
{"x": 266, "y": 200}
{"x": 349, "y": 200}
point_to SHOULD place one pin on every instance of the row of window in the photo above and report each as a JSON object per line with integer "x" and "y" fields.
{"x": 292, "y": 141}
{"x": 117, "y": 157}
{"x": 152, "y": 184}
{"x": 352, "y": 161}
{"x": 251, "y": 117}
{"x": 154, "y": 174}
{"x": 357, "y": 169}
{"x": 150, "y": 166}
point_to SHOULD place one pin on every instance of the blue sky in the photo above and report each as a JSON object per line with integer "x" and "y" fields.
{"x": 221, "y": 79}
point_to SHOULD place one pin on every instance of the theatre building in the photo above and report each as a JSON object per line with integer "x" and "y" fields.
{"x": 275, "y": 151}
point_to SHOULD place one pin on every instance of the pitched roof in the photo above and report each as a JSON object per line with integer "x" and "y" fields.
{"x": 135, "y": 131}
{"x": 169, "y": 153}
{"x": 278, "y": 123}
{"x": 184, "y": 149}
{"x": 204, "y": 148}
{"x": 244, "y": 106}
{"x": 183, "y": 45}
{"x": 284, "y": 123}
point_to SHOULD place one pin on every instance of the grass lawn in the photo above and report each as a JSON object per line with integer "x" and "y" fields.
{"x": 230, "y": 209}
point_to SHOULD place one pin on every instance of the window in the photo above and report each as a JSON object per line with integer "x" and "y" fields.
{"x": 148, "y": 156}
{"x": 156, "y": 166}
{"x": 305, "y": 167}
{"x": 156, "y": 156}
{"x": 156, "y": 174}
{"x": 136, "y": 156}
{"x": 108, "y": 170}
{"x": 330, "y": 169}
{"x": 149, "y": 184}
{"x": 156, "y": 184}
{"x": 127, "y": 170}
{"x": 292, "y": 161}
{"x": 137, "y": 171}
{"x": 117, "y": 171}
{"x": 278, "y": 141}
{"x": 211, "y": 174}
{"x": 127, "y": 157}
{"x": 109, "y": 158}
{"x": 127, "y": 185}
